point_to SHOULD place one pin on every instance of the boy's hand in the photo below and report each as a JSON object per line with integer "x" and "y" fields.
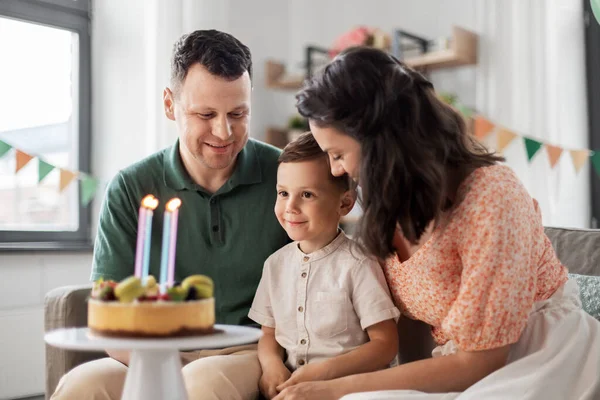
{"x": 272, "y": 377}
{"x": 307, "y": 373}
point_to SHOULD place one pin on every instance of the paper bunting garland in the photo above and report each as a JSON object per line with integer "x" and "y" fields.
{"x": 503, "y": 139}
{"x": 595, "y": 4}
{"x": 22, "y": 160}
{"x": 483, "y": 127}
{"x": 554, "y": 153}
{"x": 44, "y": 169}
{"x": 465, "y": 110}
{"x": 596, "y": 161}
{"x": 88, "y": 189}
{"x": 579, "y": 158}
{"x": 532, "y": 146}
{"x": 65, "y": 179}
{"x": 89, "y": 184}
{"x": 4, "y": 148}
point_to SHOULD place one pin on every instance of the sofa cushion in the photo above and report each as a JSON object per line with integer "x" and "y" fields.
{"x": 577, "y": 249}
{"x": 589, "y": 293}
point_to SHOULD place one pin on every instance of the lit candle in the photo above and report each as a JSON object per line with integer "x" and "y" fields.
{"x": 167, "y": 257}
{"x": 151, "y": 206}
{"x": 142, "y": 249}
{"x": 173, "y": 242}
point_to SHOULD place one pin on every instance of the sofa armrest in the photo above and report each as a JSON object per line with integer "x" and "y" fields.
{"x": 65, "y": 307}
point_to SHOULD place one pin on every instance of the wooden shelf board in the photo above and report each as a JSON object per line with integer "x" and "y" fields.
{"x": 288, "y": 83}
{"x": 276, "y": 137}
{"x": 462, "y": 51}
{"x": 276, "y": 78}
{"x": 439, "y": 59}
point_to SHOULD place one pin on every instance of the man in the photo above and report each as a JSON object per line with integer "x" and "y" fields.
{"x": 227, "y": 227}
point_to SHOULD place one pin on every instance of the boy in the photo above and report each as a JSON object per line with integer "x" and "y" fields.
{"x": 319, "y": 294}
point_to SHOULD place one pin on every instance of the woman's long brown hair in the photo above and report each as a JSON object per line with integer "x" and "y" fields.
{"x": 409, "y": 139}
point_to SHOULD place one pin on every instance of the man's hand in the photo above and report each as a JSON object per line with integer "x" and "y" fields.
{"x": 273, "y": 376}
{"x": 323, "y": 390}
{"x": 307, "y": 373}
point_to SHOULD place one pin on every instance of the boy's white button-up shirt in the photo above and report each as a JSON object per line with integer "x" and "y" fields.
{"x": 321, "y": 303}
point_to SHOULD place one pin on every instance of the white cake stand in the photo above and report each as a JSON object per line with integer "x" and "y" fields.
{"x": 155, "y": 367}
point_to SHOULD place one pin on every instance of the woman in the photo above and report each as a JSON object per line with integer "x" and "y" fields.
{"x": 463, "y": 241}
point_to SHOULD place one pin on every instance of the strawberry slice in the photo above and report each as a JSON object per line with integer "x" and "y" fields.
{"x": 164, "y": 296}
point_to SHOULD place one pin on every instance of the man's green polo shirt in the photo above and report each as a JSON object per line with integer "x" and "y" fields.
{"x": 226, "y": 235}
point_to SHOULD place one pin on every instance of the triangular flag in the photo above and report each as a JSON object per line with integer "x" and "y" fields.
{"x": 65, "y": 178}
{"x": 22, "y": 160}
{"x": 465, "y": 111}
{"x": 596, "y": 161}
{"x": 483, "y": 127}
{"x": 503, "y": 138}
{"x": 579, "y": 158}
{"x": 44, "y": 169}
{"x": 554, "y": 153}
{"x": 88, "y": 189}
{"x": 4, "y": 148}
{"x": 532, "y": 146}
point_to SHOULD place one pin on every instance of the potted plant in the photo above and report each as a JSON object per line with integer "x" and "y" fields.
{"x": 296, "y": 126}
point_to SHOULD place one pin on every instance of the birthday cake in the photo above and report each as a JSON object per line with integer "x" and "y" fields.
{"x": 130, "y": 309}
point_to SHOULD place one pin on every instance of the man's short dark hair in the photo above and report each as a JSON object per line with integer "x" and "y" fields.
{"x": 220, "y": 53}
{"x": 306, "y": 148}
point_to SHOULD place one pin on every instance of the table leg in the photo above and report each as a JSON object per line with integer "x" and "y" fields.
{"x": 154, "y": 375}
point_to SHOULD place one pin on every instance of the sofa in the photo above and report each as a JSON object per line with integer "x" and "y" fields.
{"x": 578, "y": 249}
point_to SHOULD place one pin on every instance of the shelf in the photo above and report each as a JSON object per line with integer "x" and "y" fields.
{"x": 276, "y": 78}
{"x": 462, "y": 51}
{"x": 276, "y": 137}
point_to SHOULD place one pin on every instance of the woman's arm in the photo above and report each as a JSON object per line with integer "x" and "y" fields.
{"x": 452, "y": 373}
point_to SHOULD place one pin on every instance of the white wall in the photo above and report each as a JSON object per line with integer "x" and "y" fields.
{"x": 25, "y": 281}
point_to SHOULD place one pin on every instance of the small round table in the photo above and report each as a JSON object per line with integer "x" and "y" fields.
{"x": 154, "y": 366}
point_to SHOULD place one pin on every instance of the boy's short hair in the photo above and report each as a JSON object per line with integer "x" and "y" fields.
{"x": 306, "y": 148}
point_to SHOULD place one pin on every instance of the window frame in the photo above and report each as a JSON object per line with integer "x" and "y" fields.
{"x": 592, "y": 59}
{"x": 73, "y": 16}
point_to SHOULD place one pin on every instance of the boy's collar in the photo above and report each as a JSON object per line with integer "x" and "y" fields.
{"x": 324, "y": 251}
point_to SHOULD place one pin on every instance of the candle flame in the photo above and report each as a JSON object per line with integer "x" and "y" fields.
{"x": 150, "y": 202}
{"x": 173, "y": 204}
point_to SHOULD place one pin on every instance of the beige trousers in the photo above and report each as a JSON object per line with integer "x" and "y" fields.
{"x": 226, "y": 374}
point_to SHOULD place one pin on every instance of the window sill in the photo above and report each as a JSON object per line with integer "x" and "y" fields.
{"x": 28, "y": 247}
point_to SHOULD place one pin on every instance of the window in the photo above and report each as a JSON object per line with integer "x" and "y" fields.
{"x": 592, "y": 45}
{"x": 45, "y": 76}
